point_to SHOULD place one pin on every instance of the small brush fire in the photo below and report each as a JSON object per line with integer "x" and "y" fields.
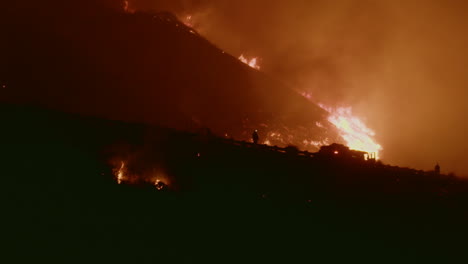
{"x": 188, "y": 21}
{"x": 120, "y": 173}
{"x": 253, "y": 62}
{"x": 124, "y": 173}
{"x": 353, "y": 130}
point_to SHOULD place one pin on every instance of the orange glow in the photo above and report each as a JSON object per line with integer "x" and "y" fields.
{"x": 253, "y": 63}
{"x": 356, "y": 134}
{"x": 126, "y": 7}
{"x": 317, "y": 144}
{"x": 275, "y": 138}
{"x": 160, "y": 180}
{"x": 188, "y": 21}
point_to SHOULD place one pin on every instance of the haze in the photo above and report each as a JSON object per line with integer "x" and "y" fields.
{"x": 401, "y": 65}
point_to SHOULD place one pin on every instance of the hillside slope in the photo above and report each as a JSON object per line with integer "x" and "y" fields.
{"x": 235, "y": 202}
{"x": 147, "y": 68}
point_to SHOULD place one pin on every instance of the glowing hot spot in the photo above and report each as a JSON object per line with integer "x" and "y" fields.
{"x": 121, "y": 173}
{"x": 356, "y": 134}
{"x": 188, "y": 21}
{"x": 253, "y": 63}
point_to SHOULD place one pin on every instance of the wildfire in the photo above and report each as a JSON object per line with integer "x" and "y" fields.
{"x": 253, "y": 63}
{"x": 352, "y": 129}
{"x": 356, "y": 134}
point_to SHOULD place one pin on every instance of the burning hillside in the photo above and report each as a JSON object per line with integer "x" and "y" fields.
{"x": 152, "y": 68}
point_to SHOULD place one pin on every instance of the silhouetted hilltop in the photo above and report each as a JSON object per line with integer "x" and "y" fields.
{"x": 144, "y": 67}
{"x": 224, "y": 198}
{"x": 255, "y": 168}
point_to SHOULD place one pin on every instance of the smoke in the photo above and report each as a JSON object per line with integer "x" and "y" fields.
{"x": 313, "y": 45}
{"x": 400, "y": 65}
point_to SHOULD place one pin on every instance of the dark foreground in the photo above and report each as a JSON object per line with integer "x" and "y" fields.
{"x": 226, "y": 202}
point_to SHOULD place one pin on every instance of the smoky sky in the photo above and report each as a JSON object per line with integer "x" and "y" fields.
{"x": 401, "y": 65}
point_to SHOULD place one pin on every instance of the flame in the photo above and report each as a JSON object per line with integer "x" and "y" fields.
{"x": 353, "y": 130}
{"x": 253, "y": 63}
{"x": 159, "y": 185}
{"x": 273, "y": 138}
{"x": 121, "y": 173}
{"x": 161, "y": 180}
{"x": 188, "y": 21}
{"x": 155, "y": 176}
{"x": 317, "y": 144}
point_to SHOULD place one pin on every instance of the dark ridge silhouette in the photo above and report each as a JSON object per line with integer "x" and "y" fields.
{"x": 142, "y": 67}
{"x": 225, "y": 199}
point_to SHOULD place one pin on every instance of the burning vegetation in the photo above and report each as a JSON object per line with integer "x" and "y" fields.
{"x": 188, "y": 21}
{"x": 120, "y": 173}
{"x": 128, "y": 173}
{"x": 357, "y": 135}
{"x": 353, "y": 130}
{"x": 252, "y": 62}
{"x": 138, "y": 165}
